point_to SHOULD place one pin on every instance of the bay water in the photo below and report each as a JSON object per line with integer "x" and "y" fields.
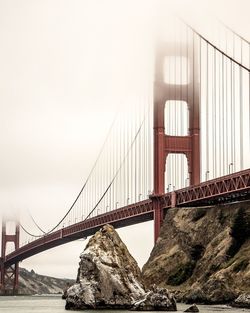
{"x": 54, "y": 304}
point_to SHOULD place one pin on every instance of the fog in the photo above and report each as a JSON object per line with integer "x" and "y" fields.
{"x": 66, "y": 68}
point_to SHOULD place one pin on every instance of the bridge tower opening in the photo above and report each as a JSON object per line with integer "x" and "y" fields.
{"x": 183, "y": 89}
{"x": 9, "y": 273}
{"x": 176, "y": 123}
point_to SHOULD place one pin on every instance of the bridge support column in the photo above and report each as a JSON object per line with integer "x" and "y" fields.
{"x": 158, "y": 215}
{"x": 9, "y": 273}
{"x": 165, "y": 144}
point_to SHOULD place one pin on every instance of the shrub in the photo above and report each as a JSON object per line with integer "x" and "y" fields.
{"x": 198, "y": 214}
{"x": 181, "y": 274}
{"x": 240, "y": 266}
{"x": 240, "y": 231}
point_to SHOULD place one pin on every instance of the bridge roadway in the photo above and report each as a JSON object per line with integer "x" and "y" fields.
{"x": 228, "y": 188}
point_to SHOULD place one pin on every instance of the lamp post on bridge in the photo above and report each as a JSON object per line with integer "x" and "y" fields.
{"x": 206, "y": 175}
{"x": 168, "y": 188}
{"x": 230, "y": 165}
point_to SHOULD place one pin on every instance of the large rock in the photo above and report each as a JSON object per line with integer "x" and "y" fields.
{"x": 243, "y": 301}
{"x": 192, "y": 309}
{"x": 108, "y": 276}
{"x": 156, "y": 299}
{"x": 203, "y": 254}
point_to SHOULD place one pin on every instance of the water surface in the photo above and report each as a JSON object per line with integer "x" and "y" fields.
{"x": 54, "y": 304}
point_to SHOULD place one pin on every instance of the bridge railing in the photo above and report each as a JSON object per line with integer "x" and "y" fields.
{"x": 219, "y": 187}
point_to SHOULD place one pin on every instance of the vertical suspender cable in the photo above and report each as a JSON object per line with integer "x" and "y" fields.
{"x": 241, "y": 112}
{"x": 219, "y": 117}
{"x": 233, "y": 111}
{"x": 135, "y": 152}
{"x": 182, "y": 184}
{"x": 226, "y": 112}
{"x": 213, "y": 113}
{"x": 223, "y": 118}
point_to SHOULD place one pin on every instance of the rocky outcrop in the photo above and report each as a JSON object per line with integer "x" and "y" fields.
{"x": 31, "y": 283}
{"x": 203, "y": 254}
{"x": 243, "y": 301}
{"x": 156, "y": 299}
{"x": 193, "y": 308}
{"x": 108, "y": 276}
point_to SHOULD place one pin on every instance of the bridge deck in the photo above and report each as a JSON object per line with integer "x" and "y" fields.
{"x": 227, "y": 188}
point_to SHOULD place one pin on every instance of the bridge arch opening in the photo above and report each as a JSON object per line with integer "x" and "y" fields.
{"x": 176, "y": 118}
{"x": 10, "y": 247}
{"x": 10, "y": 227}
{"x": 176, "y": 173}
{"x": 176, "y": 70}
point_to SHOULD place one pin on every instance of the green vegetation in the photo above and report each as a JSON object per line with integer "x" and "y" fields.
{"x": 240, "y": 231}
{"x": 197, "y": 252}
{"x": 198, "y": 214}
{"x": 241, "y": 265}
{"x": 222, "y": 216}
{"x": 181, "y": 274}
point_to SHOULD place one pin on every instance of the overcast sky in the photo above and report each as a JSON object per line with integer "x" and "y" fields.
{"x": 65, "y": 66}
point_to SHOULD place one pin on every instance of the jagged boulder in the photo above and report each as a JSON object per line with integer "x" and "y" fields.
{"x": 108, "y": 276}
{"x": 193, "y": 308}
{"x": 243, "y": 301}
{"x": 157, "y": 299}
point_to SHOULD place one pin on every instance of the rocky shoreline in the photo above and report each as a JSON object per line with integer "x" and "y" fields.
{"x": 202, "y": 256}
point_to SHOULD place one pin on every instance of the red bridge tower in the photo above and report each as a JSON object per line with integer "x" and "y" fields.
{"x": 163, "y": 143}
{"x": 9, "y": 274}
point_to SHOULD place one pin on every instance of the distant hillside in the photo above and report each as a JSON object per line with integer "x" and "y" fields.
{"x": 33, "y": 283}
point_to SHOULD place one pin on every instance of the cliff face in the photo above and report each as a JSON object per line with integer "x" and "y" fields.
{"x": 203, "y": 254}
{"x": 31, "y": 283}
{"x": 109, "y": 278}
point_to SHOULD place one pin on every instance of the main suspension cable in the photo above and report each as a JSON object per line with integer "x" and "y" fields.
{"x": 118, "y": 170}
{"x": 83, "y": 187}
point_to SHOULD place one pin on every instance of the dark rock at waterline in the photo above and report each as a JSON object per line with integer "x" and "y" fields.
{"x": 109, "y": 278}
{"x": 192, "y": 308}
{"x": 65, "y": 289}
{"x": 242, "y": 301}
{"x": 157, "y": 299}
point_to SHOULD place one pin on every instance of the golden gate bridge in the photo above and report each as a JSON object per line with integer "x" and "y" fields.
{"x": 185, "y": 142}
